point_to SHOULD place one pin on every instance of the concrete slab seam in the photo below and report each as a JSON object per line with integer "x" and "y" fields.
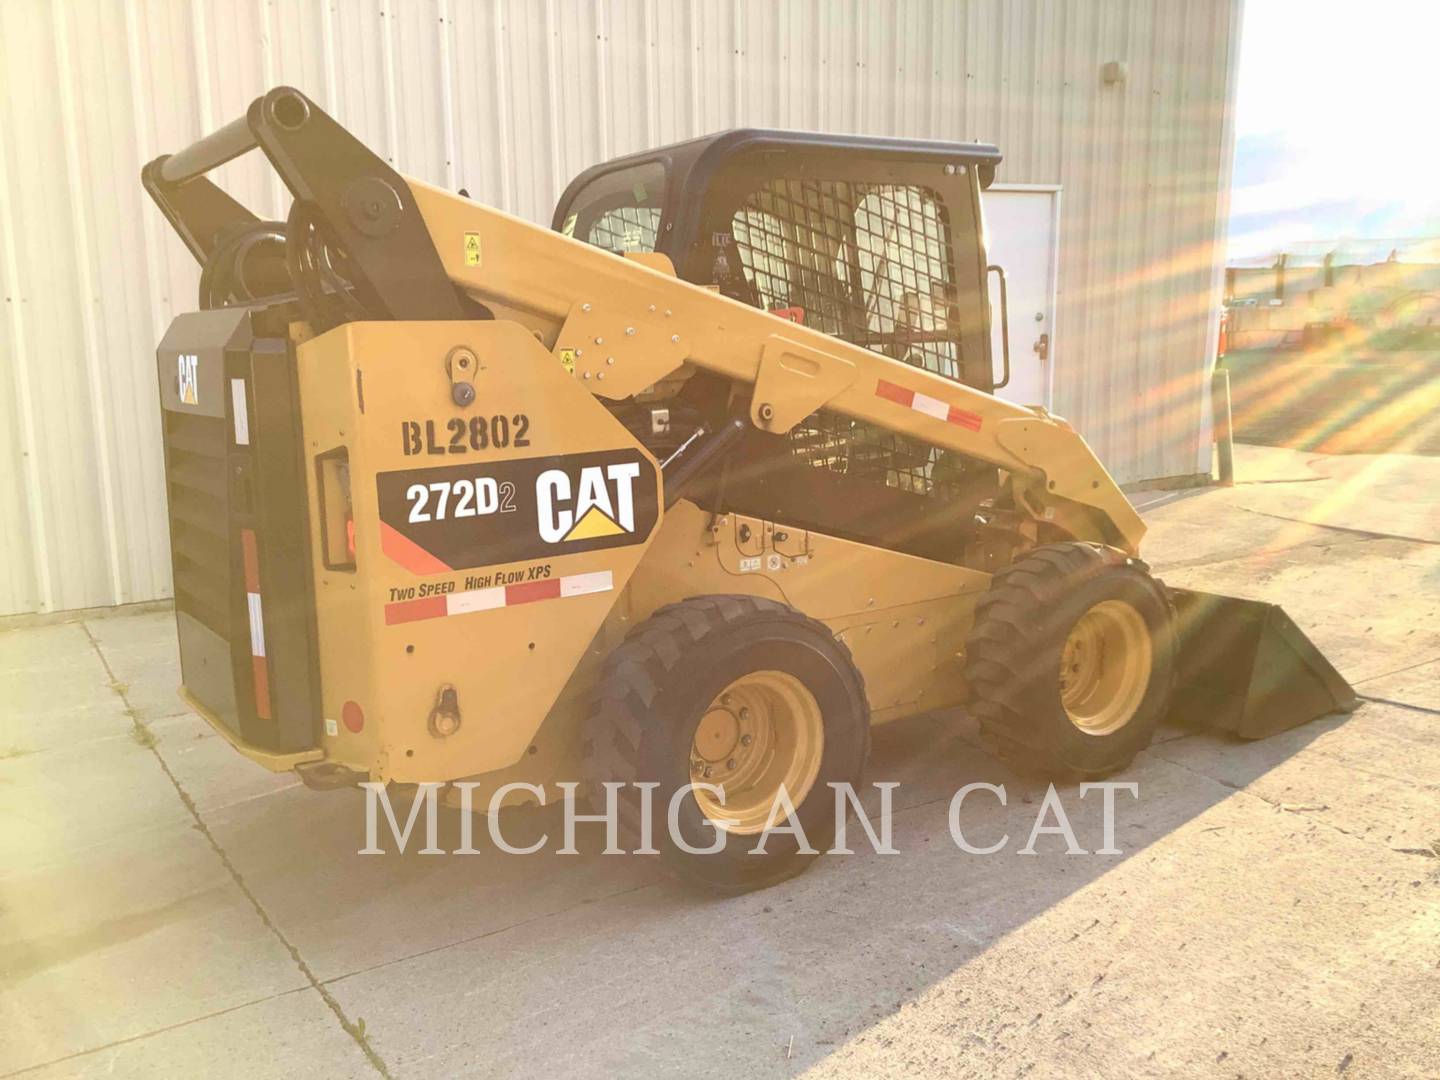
{"x": 151, "y": 1033}
{"x": 1399, "y": 704}
{"x": 1274, "y": 805}
{"x": 147, "y": 739}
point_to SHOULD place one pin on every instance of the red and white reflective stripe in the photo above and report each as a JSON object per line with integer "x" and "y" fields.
{"x": 462, "y": 603}
{"x": 924, "y": 403}
{"x": 259, "y": 666}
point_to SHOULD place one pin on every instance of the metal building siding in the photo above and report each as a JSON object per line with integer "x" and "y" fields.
{"x": 511, "y": 98}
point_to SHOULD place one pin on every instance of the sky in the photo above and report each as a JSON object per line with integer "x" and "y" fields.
{"x": 1337, "y": 115}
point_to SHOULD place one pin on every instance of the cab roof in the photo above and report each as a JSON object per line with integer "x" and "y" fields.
{"x": 691, "y": 164}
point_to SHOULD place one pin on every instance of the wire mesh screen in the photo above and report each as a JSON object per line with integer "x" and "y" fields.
{"x": 866, "y": 453}
{"x": 869, "y": 263}
{"x": 626, "y": 228}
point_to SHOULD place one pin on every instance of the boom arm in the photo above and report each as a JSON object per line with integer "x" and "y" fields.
{"x": 413, "y": 251}
{"x": 625, "y": 325}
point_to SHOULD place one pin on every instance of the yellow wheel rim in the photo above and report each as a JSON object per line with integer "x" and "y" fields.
{"x": 1105, "y": 667}
{"x": 763, "y": 730}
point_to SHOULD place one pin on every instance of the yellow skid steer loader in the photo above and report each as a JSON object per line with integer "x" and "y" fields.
{"x": 687, "y": 491}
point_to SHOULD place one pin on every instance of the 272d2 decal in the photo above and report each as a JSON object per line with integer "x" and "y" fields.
{"x": 459, "y": 517}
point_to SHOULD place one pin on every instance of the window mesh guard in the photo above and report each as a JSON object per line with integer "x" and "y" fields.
{"x": 866, "y": 453}
{"x": 626, "y": 228}
{"x": 869, "y": 263}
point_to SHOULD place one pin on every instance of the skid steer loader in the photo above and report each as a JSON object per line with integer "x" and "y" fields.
{"x": 688, "y": 491}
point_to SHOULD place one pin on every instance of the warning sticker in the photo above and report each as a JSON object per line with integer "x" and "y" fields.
{"x": 567, "y": 360}
{"x": 472, "y": 249}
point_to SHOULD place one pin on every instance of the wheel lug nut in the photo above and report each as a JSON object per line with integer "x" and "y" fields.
{"x": 744, "y": 714}
{"x": 746, "y": 740}
{"x": 730, "y": 764}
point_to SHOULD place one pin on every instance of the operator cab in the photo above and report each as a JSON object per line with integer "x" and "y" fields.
{"x": 877, "y": 241}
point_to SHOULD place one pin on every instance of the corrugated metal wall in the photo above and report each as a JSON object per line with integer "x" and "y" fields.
{"x": 509, "y": 99}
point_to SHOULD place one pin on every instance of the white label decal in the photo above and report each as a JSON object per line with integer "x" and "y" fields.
{"x": 240, "y": 411}
{"x": 187, "y": 379}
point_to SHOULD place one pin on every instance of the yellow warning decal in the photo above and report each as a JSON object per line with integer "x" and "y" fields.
{"x": 594, "y": 524}
{"x": 567, "y": 360}
{"x": 472, "y": 249}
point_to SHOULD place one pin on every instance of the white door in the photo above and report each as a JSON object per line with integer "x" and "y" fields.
{"x": 1021, "y": 227}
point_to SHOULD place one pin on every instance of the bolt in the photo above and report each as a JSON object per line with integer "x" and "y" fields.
{"x": 601, "y": 375}
{"x": 667, "y": 313}
{"x": 651, "y": 307}
{"x": 707, "y": 772}
{"x": 724, "y": 699}
{"x": 599, "y": 341}
{"x": 629, "y": 331}
{"x": 744, "y": 714}
{"x": 609, "y": 359}
{"x": 767, "y": 411}
{"x": 746, "y": 740}
{"x": 584, "y": 307}
{"x": 674, "y": 339}
{"x": 730, "y": 764}
{"x": 587, "y": 375}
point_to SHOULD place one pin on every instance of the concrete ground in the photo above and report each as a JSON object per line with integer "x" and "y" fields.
{"x": 167, "y": 909}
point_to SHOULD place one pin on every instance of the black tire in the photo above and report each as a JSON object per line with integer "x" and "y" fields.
{"x": 1013, "y": 660}
{"x": 652, "y": 694}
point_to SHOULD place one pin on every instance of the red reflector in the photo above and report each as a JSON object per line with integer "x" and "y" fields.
{"x": 353, "y": 717}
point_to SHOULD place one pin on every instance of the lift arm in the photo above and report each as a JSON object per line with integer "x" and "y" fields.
{"x": 625, "y": 324}
{"x": 413, "y": 251}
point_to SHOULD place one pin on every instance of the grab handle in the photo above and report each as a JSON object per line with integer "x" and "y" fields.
{"x": 994, "y": 268}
